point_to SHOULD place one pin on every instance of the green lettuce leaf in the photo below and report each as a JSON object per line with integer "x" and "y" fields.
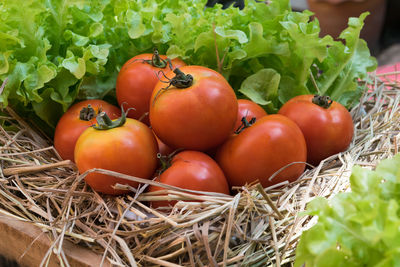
{"x": 358, "y": 228}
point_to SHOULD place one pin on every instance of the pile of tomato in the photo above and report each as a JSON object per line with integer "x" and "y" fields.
{"x": 190, "y": 118}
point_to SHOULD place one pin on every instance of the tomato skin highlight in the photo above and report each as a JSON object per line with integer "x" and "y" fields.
{"x": 199, "y": 117}
{"x": 70, "y": 127}
{"x": 327, "y": 131}
{"x": 192, "y": 170}
{"x": 136, "y": 81}
{"x": 130, "y": 149}
{"x": 259, "y": 151}
{"x": 249, "y": 110}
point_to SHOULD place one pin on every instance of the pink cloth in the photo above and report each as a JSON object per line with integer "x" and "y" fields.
{"x": 393, "y": 72}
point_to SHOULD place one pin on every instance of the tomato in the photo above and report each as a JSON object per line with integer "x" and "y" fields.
{"x": 197, "y": 111}
{"x": 249, "y": 110}
{"x": 129, "y": 148}
{"x": 262, "y": 149}
{"x": 136, "y": 81}
{"x": 327, "y": 130}
{"x": 163, "y": 149}
{"x": 71, "y": 125}
{"x": 192, "y": 170}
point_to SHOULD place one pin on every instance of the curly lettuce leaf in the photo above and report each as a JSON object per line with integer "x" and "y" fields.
{"x": 358, "y": 228}
{"x": 58, "y": 52}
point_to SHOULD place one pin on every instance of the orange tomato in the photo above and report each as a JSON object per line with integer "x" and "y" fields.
{"x": 71, "y": 126}
{"x": 129, "y": 149}
{"x": 136, "y": 81}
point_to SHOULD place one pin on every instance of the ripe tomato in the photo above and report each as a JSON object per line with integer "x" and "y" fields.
{"x": 262, "y": 149}
{"x": 129, "y": 149}
{"x": 249, "y": 110}
{"x": 192, "y": 170}
{"x": 136, "y": 81}
{"x": 327, "y": 130}
{"x": 72, "y": 124}
{"x": 197, "y": 111}
{"x": 163, "y": 149}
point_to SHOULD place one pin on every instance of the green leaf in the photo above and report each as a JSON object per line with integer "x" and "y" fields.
{"x": 363, "y": 181}
{"x": 232, "y": 34}
{"x": 96, "y": 29}
{"x": 75, "y": 65}
{"x": 357, "y": 228}
{"x": 77, "y": 39}
{"x": 134, "y": 23}
{"x": 346, "y": 64}
{"x": 4, "y": 65}
{"x": 262, "y": 86}
{"x": 47, "y": 109}
{"x": 260, "y": 45}
{"x": 96, "y": 87}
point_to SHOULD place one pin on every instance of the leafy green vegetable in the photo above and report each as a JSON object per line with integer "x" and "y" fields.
{"x": 358, "y": 228}
{"x": 261, "y": 86}
{"x": 56, "y": 52}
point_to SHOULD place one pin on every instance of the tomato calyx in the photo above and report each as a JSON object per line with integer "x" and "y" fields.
{"x": 180, "y": 81}
{"x": 245, "y": 124}
{"x": 105, "y": 123}
{"x": 166, "y": 160}
{"x": 322, "y": 101}
{"x": 87, "y": 113}
{"x": 157, "y": 61}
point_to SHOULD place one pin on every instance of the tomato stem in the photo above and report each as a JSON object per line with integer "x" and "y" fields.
{"x": 165, "y": 162}
{"x": 181, "y": 80}
{"x": 105, "y": 123}
{"x": 245, "y": 124}
{"x": 322, "y": 101}
{"x": 87, "y": 113}
{"x": 157, "y": 61}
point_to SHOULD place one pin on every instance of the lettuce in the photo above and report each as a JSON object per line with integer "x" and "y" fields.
{"x": 57, "y": 52}
{"x": 358, "y": 228}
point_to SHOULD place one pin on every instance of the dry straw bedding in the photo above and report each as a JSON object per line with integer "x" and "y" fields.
{"x": 256, "y": 227}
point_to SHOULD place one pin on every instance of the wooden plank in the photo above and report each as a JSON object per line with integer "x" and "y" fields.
{"x": 16, "y": 238}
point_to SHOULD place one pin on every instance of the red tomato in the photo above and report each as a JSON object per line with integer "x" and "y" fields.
{"x": 129, "y": 149}
{"x": 192, "y": 170}
{"x": 163, "y": 149}
{"x": 249, "y": 110}
{"x": 262, "y": 149}
{"x": 71, "y": 126}
{"x": 136, "y": 81}
{"x": 195, "y": 116}
{"x": 327, "y": 130}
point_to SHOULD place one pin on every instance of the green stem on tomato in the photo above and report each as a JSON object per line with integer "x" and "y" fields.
{"x": 105, "y": 123}
{"x": 157, "y": 61}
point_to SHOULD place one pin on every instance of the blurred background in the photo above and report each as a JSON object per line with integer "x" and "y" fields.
{"x": 381, "y": 29}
